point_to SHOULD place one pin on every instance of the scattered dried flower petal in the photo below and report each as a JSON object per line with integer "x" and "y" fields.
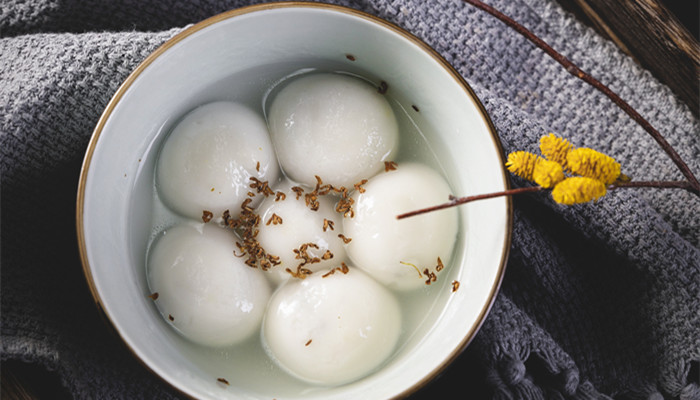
{"x": 262, "y": 187}
{"x": 440, "y": 265}
{"x": 298, "y": 190}
{"x": 358, "y": 186}
{"x": 431, "y": 276}
{"x": 222, "y": 380}
{"x": 343, "y": 268}
{"x": 274, "y": 220}
{"x": 346, "y": 240}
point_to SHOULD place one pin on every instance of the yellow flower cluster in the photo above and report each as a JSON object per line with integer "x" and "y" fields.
{"x": 578, "y": 189}
{"x": 576, "y": 175}
{"x": 555, "y": 148}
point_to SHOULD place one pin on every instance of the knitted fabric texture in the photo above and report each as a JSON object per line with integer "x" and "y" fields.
{"x": 599, "y": 300}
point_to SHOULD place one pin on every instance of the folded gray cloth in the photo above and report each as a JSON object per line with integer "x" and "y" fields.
{"x": 599, "y": 300}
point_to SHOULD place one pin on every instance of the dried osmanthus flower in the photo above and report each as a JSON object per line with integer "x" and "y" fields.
{"x": 262, "y": 187}
{"x": 274, "y": 220}
{"x": 303, "y": 255}
{"x": 389, "y": 166}
{"x": 440, "y": 266}
{"x": 246, "y": 225}
{"x": 344, "y": 205}
{"x": 346, "y": 240}
{"x": 311, "y": 198}
{"x": 358, "y": 186}
{"x": 343, "y": 268}
{"x": 431, "y": 276}
{"x": 298, "y": 190}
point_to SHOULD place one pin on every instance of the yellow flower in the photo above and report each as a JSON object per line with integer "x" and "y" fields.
{"x": 522, "y": 163}
{"x": 593, "y": 164}
{"x": 555, "y": 148}
{"x": 547, "y": 173}
{"x": 578, "y": 189}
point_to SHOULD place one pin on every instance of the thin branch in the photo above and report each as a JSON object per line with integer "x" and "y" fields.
{"x": 576, "y": 71}
{"x": 653, "y": 184}
{"x": 455, "y": 201}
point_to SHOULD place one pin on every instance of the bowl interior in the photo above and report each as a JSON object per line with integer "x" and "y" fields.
{"x": 232, "y": 57}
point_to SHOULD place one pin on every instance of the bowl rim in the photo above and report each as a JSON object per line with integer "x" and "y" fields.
{"x": 192, "y": 29}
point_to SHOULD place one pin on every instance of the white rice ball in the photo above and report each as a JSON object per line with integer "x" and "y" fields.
{"x": 331, "y": 125}
{"x": 208, "y": 294}
{"x": 331, "y": 330}
{"x": 208, "y": 159}
{"x": 297, "y": 224}
{"x": 388, "y": 248}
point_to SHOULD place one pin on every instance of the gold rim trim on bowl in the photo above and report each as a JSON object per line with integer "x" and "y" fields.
{"x": 293, "y": 4}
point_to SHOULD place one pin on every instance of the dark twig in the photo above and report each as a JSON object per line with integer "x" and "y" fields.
{"x": 455, "y": 201}
{"x": 694, "y": 185}
{"x": 653, "y": 184}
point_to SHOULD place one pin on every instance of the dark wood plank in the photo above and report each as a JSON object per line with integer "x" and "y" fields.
{"x": 650, "y": 33}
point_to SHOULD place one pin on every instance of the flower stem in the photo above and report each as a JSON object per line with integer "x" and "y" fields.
{"x": 455, "y": 201}
{"x": 576, "y": 71}
{"x": 653, "y": 184}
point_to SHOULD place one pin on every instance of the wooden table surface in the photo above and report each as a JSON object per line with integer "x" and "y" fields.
{"x": 662, "y": 36}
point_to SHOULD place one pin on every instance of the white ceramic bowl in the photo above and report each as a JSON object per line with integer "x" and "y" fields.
{"x": 258, "y": 43}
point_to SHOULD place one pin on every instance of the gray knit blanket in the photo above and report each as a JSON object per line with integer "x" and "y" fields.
{"x": 599, "y": 300}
